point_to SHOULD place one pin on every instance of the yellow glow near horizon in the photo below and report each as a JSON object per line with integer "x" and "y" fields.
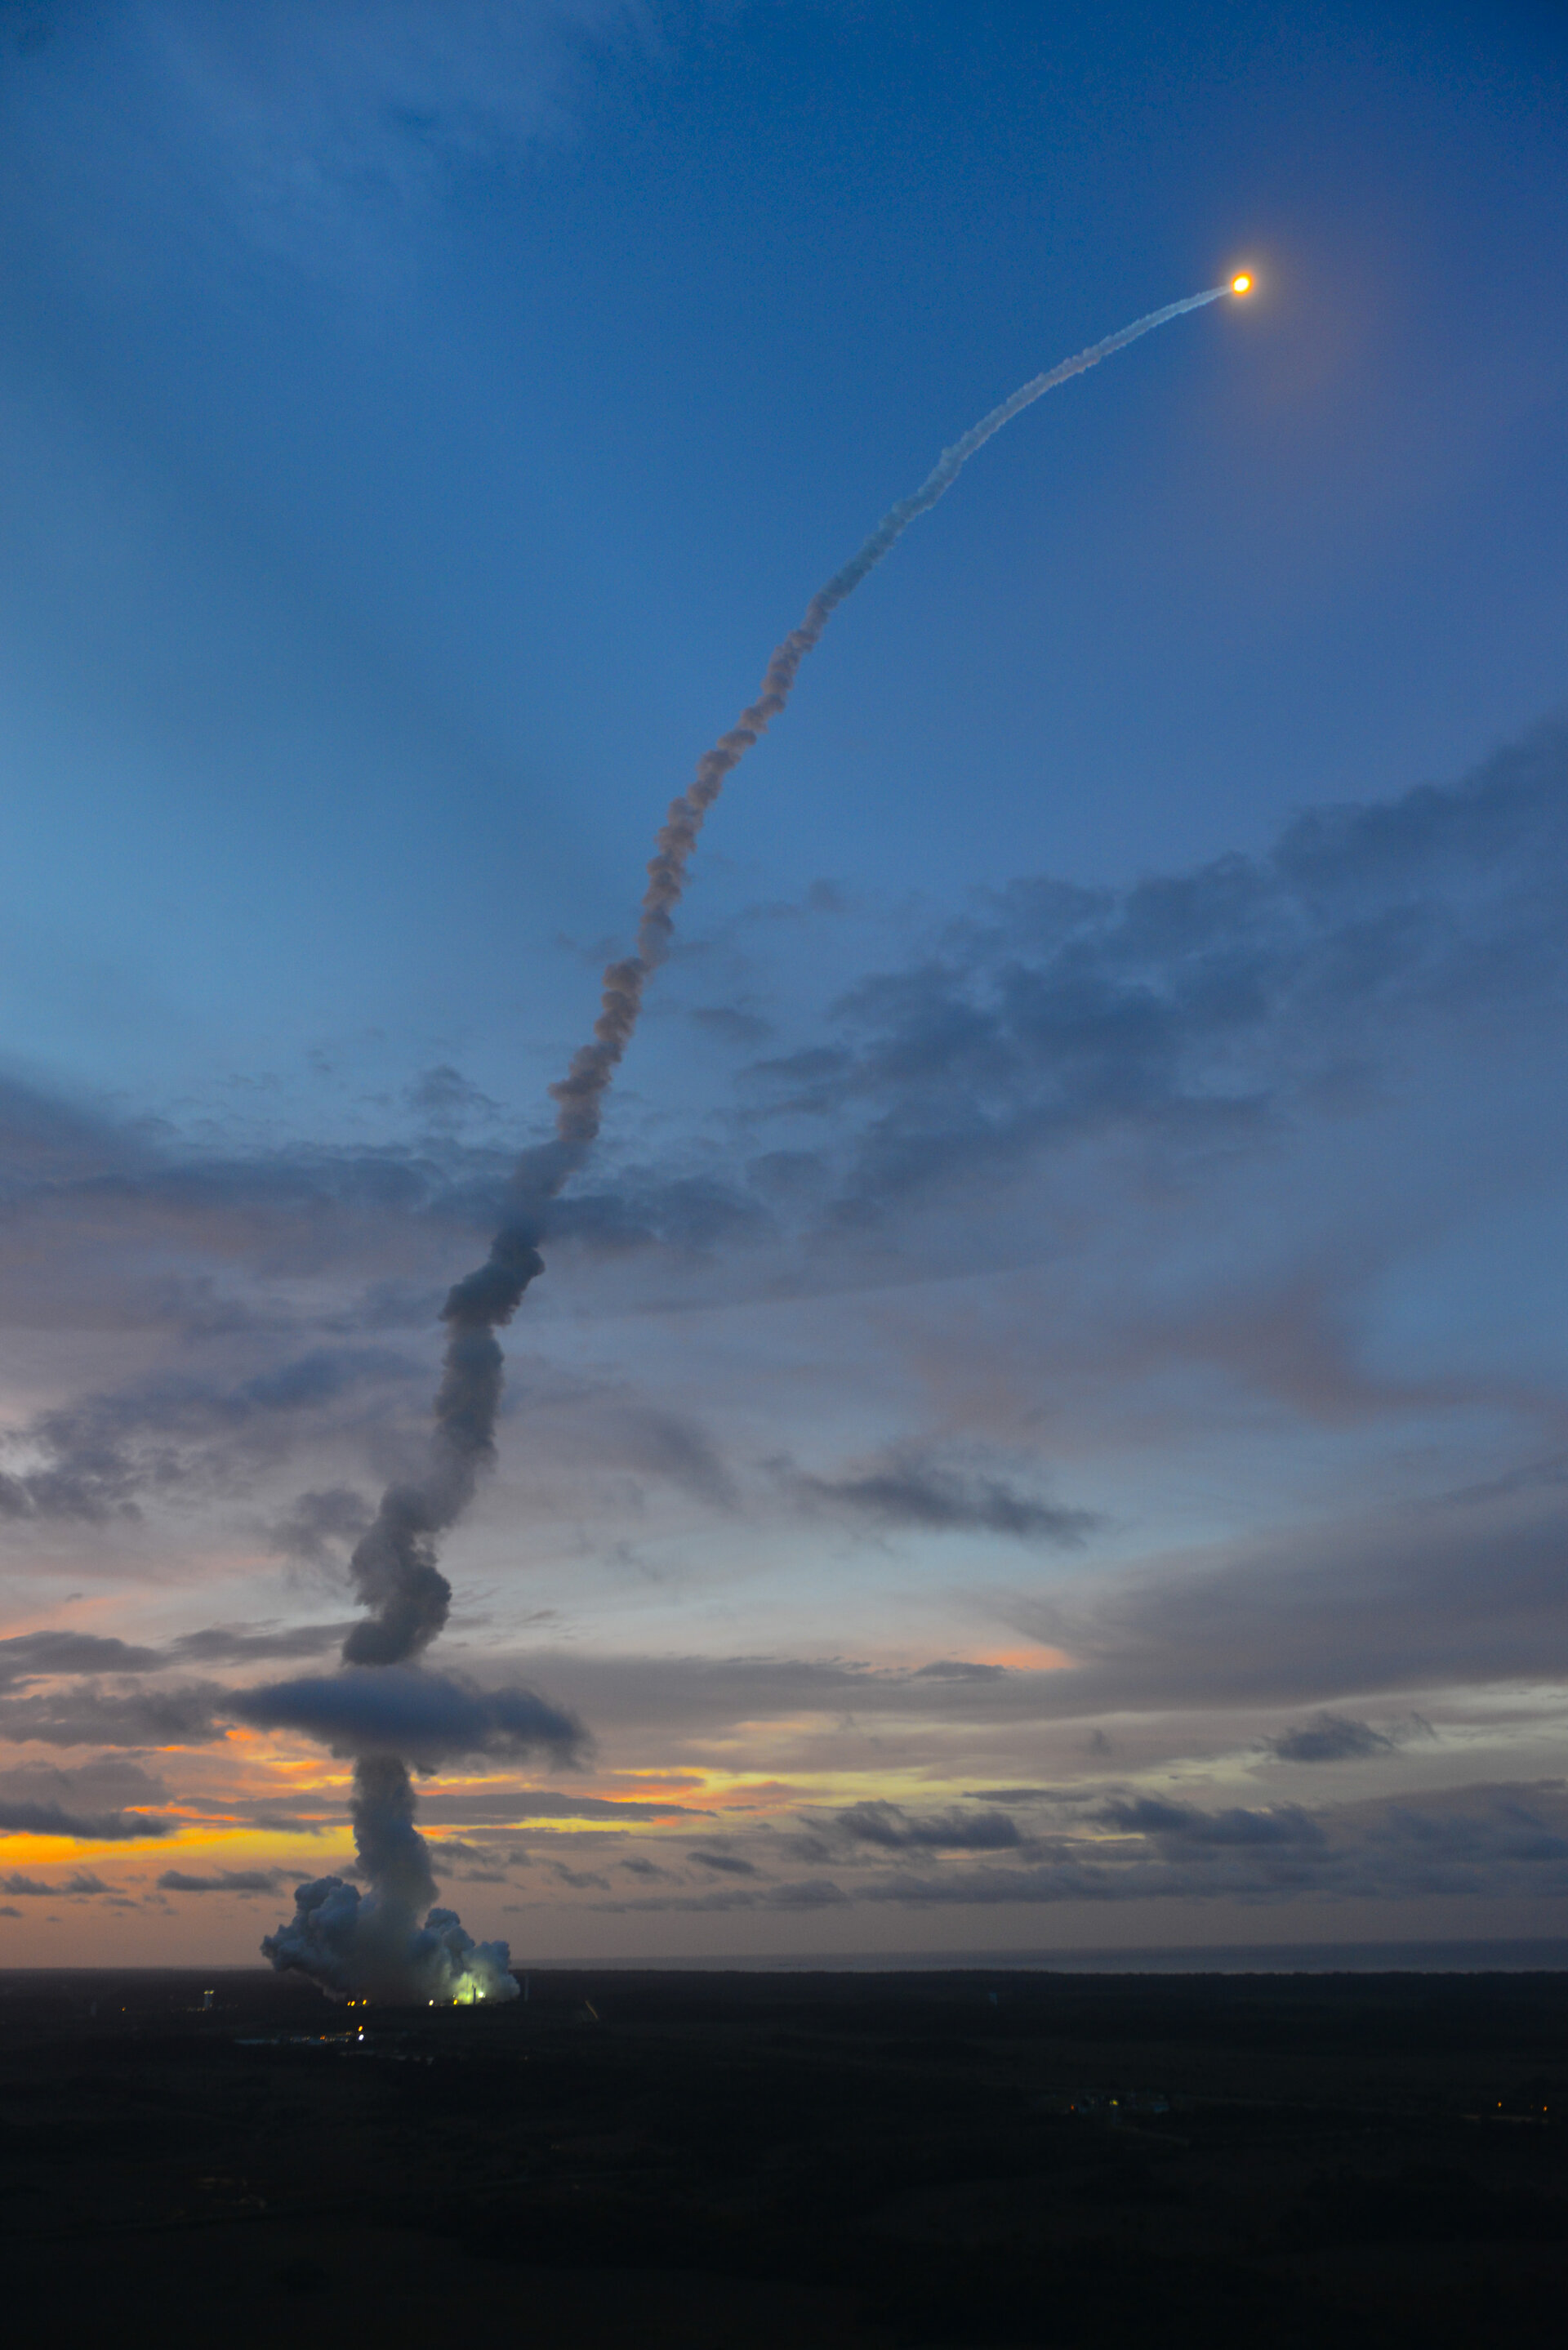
{"x": 1242, "y": 284}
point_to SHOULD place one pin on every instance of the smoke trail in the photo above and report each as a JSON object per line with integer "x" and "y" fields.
{"x": 375, "y": 1943}
{"x": 393, "y": 1566}
{"x": 394, "y": 1569}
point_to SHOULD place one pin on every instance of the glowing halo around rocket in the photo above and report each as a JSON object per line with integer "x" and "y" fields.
{"x": 1241, "y": 283}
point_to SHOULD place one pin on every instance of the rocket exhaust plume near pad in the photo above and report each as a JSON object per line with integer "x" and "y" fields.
{"x": 375, "y": 1944}
{"x": 394, "y": 1570}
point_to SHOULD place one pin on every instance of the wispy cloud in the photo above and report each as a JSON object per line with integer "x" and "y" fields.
{"x": 223, "y": 1880}
{"x": 320, "y": 135}
{"x": 1201, "y": 1131}
{"x": 94, "y": 1827}
{"x": 1203, "y": 1007}
{"x": 909, "y": 1487}
{"x": 892, "y": 1829}
{"x": 80, "y": 1883}
{"x": 1461, "y": 1590}
{"x": 1480, "y": 1842}
{"x": 1329, "y": 1738}
{"x": 85, "y": 1715}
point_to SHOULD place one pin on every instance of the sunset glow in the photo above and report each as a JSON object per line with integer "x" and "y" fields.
{"x": 957, "y": 1363}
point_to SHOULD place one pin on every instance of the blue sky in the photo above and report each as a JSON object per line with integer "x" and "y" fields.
{"x": 1070, "y": 1294}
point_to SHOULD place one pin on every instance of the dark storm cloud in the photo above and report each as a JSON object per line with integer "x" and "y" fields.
{"x": 907, "y": 1488}
{"x": 226, "y": 1880}
{"x": 427, "y": 1717}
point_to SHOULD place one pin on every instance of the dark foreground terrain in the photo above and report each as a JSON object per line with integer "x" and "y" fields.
{"x": 755, "y": 2162}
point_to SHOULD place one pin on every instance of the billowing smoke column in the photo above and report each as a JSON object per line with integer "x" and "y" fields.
{"x": 338, "y": 1938}
{"x": 394, "y": 1569}
{"x": 375, "y": 1943}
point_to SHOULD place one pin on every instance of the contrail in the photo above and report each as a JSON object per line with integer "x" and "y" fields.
{"x": 394, "y": 1568}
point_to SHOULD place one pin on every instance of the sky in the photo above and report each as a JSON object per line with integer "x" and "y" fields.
{"x": 1045, "y": 1423}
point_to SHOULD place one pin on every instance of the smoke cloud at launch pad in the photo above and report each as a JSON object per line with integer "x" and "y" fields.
{"x": 375, "y": 1943}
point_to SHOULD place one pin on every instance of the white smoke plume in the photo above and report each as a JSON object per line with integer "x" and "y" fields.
{"x": 392, "y": 1943}
{"x": 338, "y": 1939}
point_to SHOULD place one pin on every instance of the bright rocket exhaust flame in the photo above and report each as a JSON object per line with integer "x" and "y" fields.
{"x": 377, "y": 1944}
